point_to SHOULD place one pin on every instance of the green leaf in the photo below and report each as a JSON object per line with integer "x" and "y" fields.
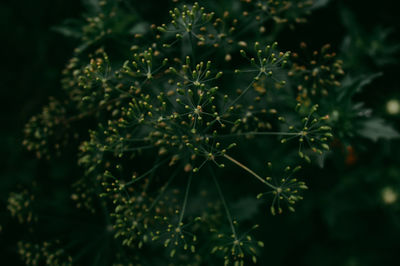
{"x": 319, "y": 4}
{"x": 92, "y": 5}
{"x": 377, "y": 128}
{"x": 140, "y": 28}
{"x": 351, "y": 85}
{"x": 69, "y": 28}
{"x": 67, "y": 31}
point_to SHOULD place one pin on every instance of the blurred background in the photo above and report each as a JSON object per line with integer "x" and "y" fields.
{"x": 351, "y": 213}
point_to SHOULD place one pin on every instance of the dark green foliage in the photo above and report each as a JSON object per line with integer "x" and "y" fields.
{"x": 189, "y": 137}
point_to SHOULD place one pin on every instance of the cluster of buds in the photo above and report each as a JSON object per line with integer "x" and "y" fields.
{"x": 188, "y": 21}
{"x": 236, "y": 248}
{"x": 313, "y": 133}
{"x": 143, "y": 64}
{"x": 47, "y": 132}
{"x": 46, "y": 253}
{"x": 285, "y": 190}
{"x": 316, "y": 74}
{"x": 20, "y": 206}
{"x": 193, "y": 87}
{"x": 95, "y": 79}
{"x": 175, "y": 234}
{"x": 268, "y": 61}
{"x": 100, "y": 25}
{"x": 281, "y": 11}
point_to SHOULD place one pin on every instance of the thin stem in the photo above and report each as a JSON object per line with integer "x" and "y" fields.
{"x": 136, "y": 148}
{"x": 256, "y": 133}
{"x": 240, "y": 96}
{"x": 228, "y": 214}
{"x": 249, "y": 170}
{"x": 145, "y": 174}
{"x": 163, "y": 189}
{"x": 186, "y": 198}
{"x": 151, "y": 176}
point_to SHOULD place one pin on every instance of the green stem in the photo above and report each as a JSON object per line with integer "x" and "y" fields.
{"x": 228, "y": 214}
{"x": 249, "y": 171}
{"x": 163, "y": 189}
{"x": 240, "y": 96}
{"x": 145, "y": 174}
{"x": 257, "y": 133}
{"x": 186, "y": 198}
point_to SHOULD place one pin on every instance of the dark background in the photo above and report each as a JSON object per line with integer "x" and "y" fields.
{"x": 342, "y": 221}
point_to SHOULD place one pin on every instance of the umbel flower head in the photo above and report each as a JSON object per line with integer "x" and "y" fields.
{"x": 236, "y": 248}
{"x": 161, "y": 122}
{"x": 188, "y": 21}
{"x": 281, "y": 11}
{"x": 286, "y": 190}
{"x": 312, "y": 133}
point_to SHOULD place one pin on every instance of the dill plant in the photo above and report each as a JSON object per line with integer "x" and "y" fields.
{"x": 167, "y": 125}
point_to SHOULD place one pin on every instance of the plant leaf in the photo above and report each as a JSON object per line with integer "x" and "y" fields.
{"x": 377, "y": 128}
{"x": 319, "y": 4}
{"x": 352, "y": 86}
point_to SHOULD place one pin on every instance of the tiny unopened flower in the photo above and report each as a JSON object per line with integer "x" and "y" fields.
{"x": 389, "y": 196}
{"x": 393, "y": 107}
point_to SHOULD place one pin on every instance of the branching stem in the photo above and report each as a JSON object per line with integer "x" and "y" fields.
{"x": 257, "y": 134}
{"x": 186, "y": 198}
{"x": 228, "y": 214}
{"x": 249, "y": 171}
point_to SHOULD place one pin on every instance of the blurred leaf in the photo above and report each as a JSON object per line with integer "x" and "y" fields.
{"x": 376, "y": 128}
{"x": 349, "y": 21}
{"x": 319, "y": 4}
{"x": 140, "y": 28}
{"x": 361, "y": 44}
{"x": 92, "y": 5}
{"x": 67, "y": 31}
{"x": 351, "y": 85}
{"x": 380, "y": 49}
{"x": 69, "y": 28}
